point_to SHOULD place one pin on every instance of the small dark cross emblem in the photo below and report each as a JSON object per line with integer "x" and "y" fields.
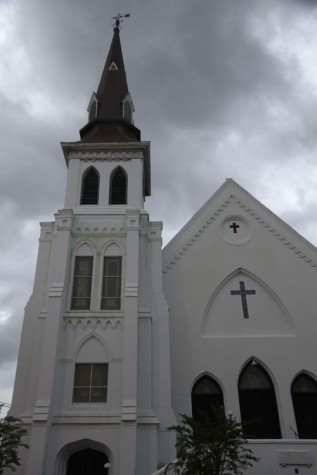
{"x": 234, "y": 227}
{"x": 243, "y": 294}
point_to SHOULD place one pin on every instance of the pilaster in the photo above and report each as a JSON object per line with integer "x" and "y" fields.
{"x": 130, "y": 344}
{"x": 55, "y": 305}
{"x": 161, "y": 350}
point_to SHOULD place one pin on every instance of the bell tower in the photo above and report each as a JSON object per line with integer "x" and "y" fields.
{"x": 93, "y": 375}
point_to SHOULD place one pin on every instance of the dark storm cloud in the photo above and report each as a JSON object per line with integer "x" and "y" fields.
{"x": 213, "y": 61}
{"x": 34, "y": 175}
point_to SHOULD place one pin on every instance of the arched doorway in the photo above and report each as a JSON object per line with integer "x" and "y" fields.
{"x": 87, "y": 462}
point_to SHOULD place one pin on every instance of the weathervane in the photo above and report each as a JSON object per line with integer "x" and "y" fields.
{"x": 119, "y": 19}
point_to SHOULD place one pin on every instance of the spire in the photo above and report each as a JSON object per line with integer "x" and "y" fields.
{"x": 111, "y": 108}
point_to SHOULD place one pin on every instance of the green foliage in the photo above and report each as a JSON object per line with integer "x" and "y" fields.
{"x": 211, "y": 447}
{"x": 11, "y": 435}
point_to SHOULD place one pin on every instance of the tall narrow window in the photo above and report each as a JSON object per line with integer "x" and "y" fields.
{"x": 90, "y": 188}
{"x": 111, "y": 283}
{"x": 82, "y": 283}
{"x": 258, "y": 404}
{"x": 206, "y": 394}
{"x": 118, "y": 187}
{"x": 304, "y": 395}
{"x": 91, "y": 381}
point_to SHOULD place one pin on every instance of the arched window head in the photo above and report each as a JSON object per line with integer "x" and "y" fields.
{"x": 206, "y": 395}
{"x": 118, "y": 187}
{"x": 258, "y": 406}
{"x": 304, "y": 396}
{"x": 90, "y": 187}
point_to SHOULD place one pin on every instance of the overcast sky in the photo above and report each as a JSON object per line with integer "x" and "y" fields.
{"x": 222, "y": 88}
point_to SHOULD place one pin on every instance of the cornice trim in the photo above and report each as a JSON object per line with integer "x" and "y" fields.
{"x": 180, "y": 253}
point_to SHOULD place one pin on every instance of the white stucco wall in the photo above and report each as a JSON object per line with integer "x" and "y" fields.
{"x": 209, "y": 333}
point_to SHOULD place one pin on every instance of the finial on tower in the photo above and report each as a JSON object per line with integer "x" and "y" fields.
{"x": 119, "y": 19}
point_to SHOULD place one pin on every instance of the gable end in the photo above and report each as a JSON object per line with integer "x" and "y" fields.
{"x": 232, "y": 199}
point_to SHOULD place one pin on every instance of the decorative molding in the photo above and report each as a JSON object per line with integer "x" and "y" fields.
{"x": 155, "y": 231}
{"x": 64, "y": 219}
{"x": 128, "y": 410}
{"x": 111, "y": 230}
{"x": 131, "y": 289}
{"x": 41, "y": 409}
{"x": 46, "y": 231}
{"x": 106, "y": 156}
{"x": 43, "y": 313}
{"x": 56, "y": 289}
{"x": 256, "y": 218}
{"x": 144, "y": 314}
{"x": 103, "y": 323}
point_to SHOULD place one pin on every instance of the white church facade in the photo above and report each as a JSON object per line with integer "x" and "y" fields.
{"x": 119, "y": 337}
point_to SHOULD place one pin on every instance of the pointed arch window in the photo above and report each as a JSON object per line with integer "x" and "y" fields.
{"x": 258, "y": 406}
{"x": 118, "y": 187}
{"x": 304, "y": 396}
{"x": 206, "y": 394}
{"x": 90, "y": 187}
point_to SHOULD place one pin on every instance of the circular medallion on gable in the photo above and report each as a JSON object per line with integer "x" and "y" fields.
{"x": 236, "y": 230}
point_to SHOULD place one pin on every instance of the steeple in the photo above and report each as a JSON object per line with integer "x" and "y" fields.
{"x": 110, "y": 111}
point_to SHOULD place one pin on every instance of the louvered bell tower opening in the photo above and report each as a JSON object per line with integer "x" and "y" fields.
{"x": 90, "y": 188}
{"x": 118, "y": 188}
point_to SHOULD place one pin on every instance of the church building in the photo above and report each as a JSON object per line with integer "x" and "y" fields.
{"x": 120, "y": 336}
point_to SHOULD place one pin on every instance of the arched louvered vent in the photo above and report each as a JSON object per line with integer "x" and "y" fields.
{"x": 118, "y": 187}
{"x": 127, "y": 111}
{"x": 92, "y": 111}
{"x": 90, "y": 188}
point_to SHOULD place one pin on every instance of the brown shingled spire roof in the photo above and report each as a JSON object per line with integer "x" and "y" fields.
{"x": 111, "y": 108}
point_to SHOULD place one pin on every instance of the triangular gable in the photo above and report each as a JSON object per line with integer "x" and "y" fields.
{"x": 214, "y": 209}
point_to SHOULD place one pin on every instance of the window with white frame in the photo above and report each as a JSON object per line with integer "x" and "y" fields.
{"x": 91, "y": 382}
{"x": 81, "y": 295}
{"x": 111, "y": 283}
